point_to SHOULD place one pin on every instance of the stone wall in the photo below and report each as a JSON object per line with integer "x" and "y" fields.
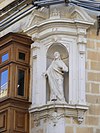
{"x": 91, "y": 122}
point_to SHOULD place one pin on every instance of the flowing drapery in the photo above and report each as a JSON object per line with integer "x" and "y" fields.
{"x": 55, "y": 74}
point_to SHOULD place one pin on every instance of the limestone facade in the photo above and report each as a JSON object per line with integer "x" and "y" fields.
{"x": 73, "y": 28}
{"x": 91, "y": 123}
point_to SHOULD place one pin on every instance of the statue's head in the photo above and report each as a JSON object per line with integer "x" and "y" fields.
{"x": 57, "y": 55}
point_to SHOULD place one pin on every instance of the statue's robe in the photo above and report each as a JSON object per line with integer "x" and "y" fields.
{"x": 55, "y": 74}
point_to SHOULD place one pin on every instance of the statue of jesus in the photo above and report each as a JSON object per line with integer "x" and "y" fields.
{"x": 55, "y": 75}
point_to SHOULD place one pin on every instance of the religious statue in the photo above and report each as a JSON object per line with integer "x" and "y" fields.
{"x": 55, "y": 75}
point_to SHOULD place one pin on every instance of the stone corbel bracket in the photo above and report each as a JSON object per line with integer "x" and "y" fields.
{"x": 47, "y": 113}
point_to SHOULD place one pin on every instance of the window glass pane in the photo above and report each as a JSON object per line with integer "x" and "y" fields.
{"x": 3, "y": 83}
{"x": 4, "y": 57}
{"x": 21, "y": 56}
{"x": 21, "y": 76}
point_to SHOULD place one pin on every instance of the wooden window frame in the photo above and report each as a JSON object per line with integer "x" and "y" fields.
{"x": 22, "y": 50}
{"x": 1, "y": 70}
{"x": 3, "y": 52}
{"x": 26, "y": 82}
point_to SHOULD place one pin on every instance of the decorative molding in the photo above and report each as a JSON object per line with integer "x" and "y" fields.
{"x": 48, "y": 113}
{"x": 55, "y": 13}
{"x": 77, "y": 18}
{"x": 36, "y": 17}
{"x": 80, "y": 116}
{"x": 71, "y": 33}
{"x": 77, "y": 13}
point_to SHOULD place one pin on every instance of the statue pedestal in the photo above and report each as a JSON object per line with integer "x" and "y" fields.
{"x": 56, "y": 102}
{"x": 51, "y": 118}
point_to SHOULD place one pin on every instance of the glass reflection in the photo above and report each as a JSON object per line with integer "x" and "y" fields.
{"x": 21, "y": 75}
{"x": 3, "y": 83}
{"x": 21, "y": 56}
{"x": 4, "y": 57}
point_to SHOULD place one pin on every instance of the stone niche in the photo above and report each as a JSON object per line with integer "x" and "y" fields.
{"x": 61, "y": 29}
{"x": 63, "y": 50}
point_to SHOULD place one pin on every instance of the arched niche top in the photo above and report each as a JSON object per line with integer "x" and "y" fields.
{"x": 60, "y": 48}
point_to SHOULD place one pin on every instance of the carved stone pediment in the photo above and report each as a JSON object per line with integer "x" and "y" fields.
{"x": 77, "y": 13}
{"x": 58, "y": 14}
{"x": 36, "y": 17}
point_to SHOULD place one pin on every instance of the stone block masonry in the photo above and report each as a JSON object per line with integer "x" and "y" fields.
{"x": 91, "y": 123}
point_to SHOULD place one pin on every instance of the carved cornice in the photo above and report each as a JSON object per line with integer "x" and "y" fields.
{"x": 56, "y": 21}
{"x": 44, "y": 17}
{"x": 47, "y": 112}
{"x": 71, "y": 14}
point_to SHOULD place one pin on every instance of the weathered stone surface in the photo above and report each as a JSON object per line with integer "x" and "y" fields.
{"x": 95, "y": 88}
{"x": 88, "y": 87}
{"x": 98, "y": 131}
{"x": 94, "y": 109}
{"x": 84, "y": 130}
{"x": 40, "y": 131}
{"x": 69, "y": 129}
{"x": 92, "y": 34}
{"x": 68, "y": 120}
{"x": 98, "y": 44}
{"x": 95, "y": 65}
{"x": 92, "y": 55}
{"x": 90, "y": 44}
{"x": 94, "y": 99}
{"x": 92, "y": 120}
{"x": 94, "y": 76}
